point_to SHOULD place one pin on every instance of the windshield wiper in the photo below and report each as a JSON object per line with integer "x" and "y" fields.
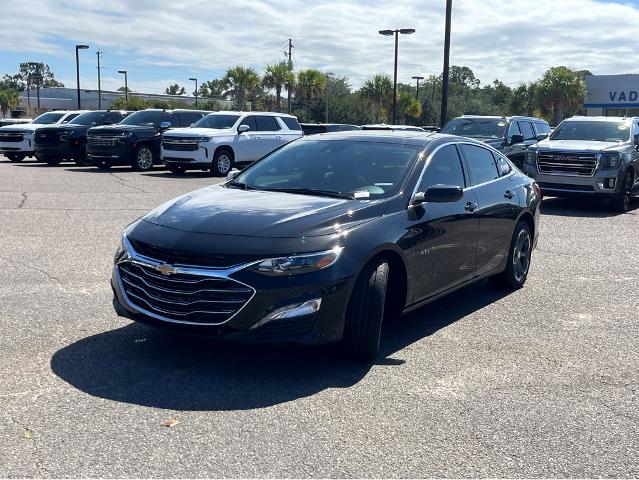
{"x": 241, "y": 185}
{"x": 312, "y": 191}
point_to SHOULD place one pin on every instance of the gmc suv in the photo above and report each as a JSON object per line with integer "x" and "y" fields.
{"x": 222, "y": 140}
{"x": 17, "y": 142}
{"x": 589, "y": 156}
{"x": 510, "y": 135}
{"x": 55, "y": 143}
{"x": 135, "y": 141}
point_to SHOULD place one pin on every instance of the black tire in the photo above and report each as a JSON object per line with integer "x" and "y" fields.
{"x": 176, "y": 169}
{"x": 365, "y": 313}
{"x": 102, "y": 165}
{"x": 622, "y": 202}
{"x": 81, "y": 159}
{"x": 222, "y": 163}
{"x": 519, "y": 259}
{"x": 144, "y": 158}
{"x": 52, "y": 160}
{"x": 16, "y": 157}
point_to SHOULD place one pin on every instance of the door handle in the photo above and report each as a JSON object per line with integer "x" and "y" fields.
{"x": 471, "y": 206}
{"x": 509, "y": 194}
{"x": 279, "y": 137}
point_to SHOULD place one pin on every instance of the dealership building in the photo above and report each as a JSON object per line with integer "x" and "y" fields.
{"x": 612, "y": 95}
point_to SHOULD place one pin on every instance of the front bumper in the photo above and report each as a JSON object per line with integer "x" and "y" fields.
{"x": 120, "y": 154}
{"x": 196, "y": 158}
{"x": 251, "y": 322}
{"x": 573, "y": 185}
{"x": 24, "y": 146}
{"x": 64, "y": 149}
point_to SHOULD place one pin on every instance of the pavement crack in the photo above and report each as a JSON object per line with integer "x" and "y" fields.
{"x": 23, "y": 200}
{"x": 31, "y": 267}
{"x": 123, "y": 182}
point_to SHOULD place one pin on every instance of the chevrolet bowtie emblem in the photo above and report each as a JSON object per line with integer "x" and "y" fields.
{"x": 166, "y": 269}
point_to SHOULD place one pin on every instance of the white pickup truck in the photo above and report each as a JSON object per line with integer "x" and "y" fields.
{"x": 221, "y": 140}
{"x": 17, "y": 141}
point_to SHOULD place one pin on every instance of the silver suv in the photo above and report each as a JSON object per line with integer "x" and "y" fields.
{"x": 588, "y": 156}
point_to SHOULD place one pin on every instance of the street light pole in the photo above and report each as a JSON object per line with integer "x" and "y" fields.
{"x": 77, "y": 67}
{"x": 126, "y": 86}
{"x": 396, "y": 32}
{"x": 418, "y": 78}
{"x": 195, "y": 80}
{"x": 99, "y": 54}
{"x": 38, "y": 78}
{"x": 445, "y": 74}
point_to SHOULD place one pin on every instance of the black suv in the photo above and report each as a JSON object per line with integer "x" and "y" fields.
{"x": 313, "y": 128}
{"x": 54, "y": 143}
{"x": 510, "y": 135}
{"x": 136, "y": 140}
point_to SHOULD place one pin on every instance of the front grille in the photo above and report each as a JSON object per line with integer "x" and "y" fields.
{"x": 183, "y": 297}
{"x": 11, "y": 137}
{"x": 179, "y": 144}
{"x": 102, "y": 140}
{"x": 558, "y": 163}
{"x": 176, "y": 257}
{"x": 43, "y": 138}
{"x": 565, "y": 186}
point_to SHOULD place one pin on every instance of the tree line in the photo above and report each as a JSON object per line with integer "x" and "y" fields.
{"x": 557, "y": 94}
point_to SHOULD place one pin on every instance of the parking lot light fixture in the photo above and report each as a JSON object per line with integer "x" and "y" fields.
{"x": 126, "y": 86}
{"x": 388, "y": 33}
{"x": 77, "y": 67}
{"x": 417, "y": 78}
{"x": 195, "y": 80}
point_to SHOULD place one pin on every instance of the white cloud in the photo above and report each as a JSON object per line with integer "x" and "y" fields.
{"x": 512, "y": 41}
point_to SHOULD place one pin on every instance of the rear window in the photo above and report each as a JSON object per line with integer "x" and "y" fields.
{"x": 292, "y": 123}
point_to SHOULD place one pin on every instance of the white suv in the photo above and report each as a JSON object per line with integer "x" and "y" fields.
{"x": 17, "y": 141}
{"x": 221, "y": 140}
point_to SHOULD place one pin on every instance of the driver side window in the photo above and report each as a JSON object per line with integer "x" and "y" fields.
{"x": 444, "y": 168}
{"x": 250, "y": 121}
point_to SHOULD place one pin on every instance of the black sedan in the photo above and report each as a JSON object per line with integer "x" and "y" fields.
{"x": 322, "y": 240}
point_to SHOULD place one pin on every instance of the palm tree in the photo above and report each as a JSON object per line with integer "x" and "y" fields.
{"x": 378, "y": 91}
{"x": 239, "y": 81}
{"x": 407, "y": 105}
{"x": 9, "y": 99}
{"x": 276, "y": 77}
{"x": 561, "y": 90}
{"x": 310, "y": 83}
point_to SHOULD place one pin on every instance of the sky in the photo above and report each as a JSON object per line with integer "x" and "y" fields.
{"x": 161, "y": 42}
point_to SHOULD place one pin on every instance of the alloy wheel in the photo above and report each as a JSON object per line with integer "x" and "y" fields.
{"x": 521, "y": 255}
{"x": 145, "y": 158}
{"x": 223, "y": 163}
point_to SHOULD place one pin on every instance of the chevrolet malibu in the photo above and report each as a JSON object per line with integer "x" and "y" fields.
{"x": 327, "y": 237}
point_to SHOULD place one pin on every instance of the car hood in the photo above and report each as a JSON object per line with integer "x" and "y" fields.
{"x": 198, "y": 132}
{"x": 115, "y": 129}
{"x": 578, "y": 145}
{"x": 27, "y": 128}
{"x": 66, "y": 126}
{"x": 230, "y": 211}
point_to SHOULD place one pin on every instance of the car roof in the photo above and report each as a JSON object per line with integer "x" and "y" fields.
{"x": 600, "y": 118}
{"x": 271, "y": 114}
{"x": 389, "y": 136}
{"x": 508, "y": 118}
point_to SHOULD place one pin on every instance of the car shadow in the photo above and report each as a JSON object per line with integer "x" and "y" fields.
{"x": 91, "y": 169}
{"x": 581, "y": 207}
{"x": 188, "y": 174}
{"x": 139, "y": 365}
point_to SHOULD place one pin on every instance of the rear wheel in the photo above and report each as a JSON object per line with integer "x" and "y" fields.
{"x": 222, "y": 163}
{"x": 365, "y": 312}
{"x": 519, "y": 256}
{"x": 144, "y": 158}
{"x": 622, "y": 202}
{"x": 16, "y": 157}
{"x": 177, "y": 169}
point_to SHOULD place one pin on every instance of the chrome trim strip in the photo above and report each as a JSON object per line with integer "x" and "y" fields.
{"x": 133, "y": 257}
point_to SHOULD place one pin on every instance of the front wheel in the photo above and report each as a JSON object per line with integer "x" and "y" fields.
{"x": 144, "y": 157}
{"x": 519, "y": 256}
{"x": 222, "y": 163}
{"x": 622, "y": 202}
{"x": 365, "y": 312}
{"x": 16, "y": 157}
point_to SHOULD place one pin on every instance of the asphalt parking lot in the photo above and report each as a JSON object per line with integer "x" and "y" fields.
{"x": 540, "y": 382}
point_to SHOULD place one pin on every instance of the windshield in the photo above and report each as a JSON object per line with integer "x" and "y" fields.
{"x": 602, "y": 131}
{"x": 216, "y": 121}
{"x": 145, "y": 117}
{"x": 48, "y": 118}
{"x": 89, "y": 118}
{"x": 353, "y": 169}
{"x": 476, "y": 127}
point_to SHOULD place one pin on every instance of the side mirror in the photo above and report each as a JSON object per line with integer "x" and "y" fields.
{"x": 232, "y": 174}
{"x": 542, "y": 136}
{"x": 243, "y": 128}
{"x": 516, "y": 139}
{"x": 165, "y": 125}
{"x": 438, "y": 194}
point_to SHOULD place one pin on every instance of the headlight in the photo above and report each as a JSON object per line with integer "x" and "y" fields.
{"x": 530, "y": 157}
{"x": 296, "y": 264}
{"x": 121, "y": 250}
{"x": 611, "y": 160}
{"x": 202, "y": 139}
